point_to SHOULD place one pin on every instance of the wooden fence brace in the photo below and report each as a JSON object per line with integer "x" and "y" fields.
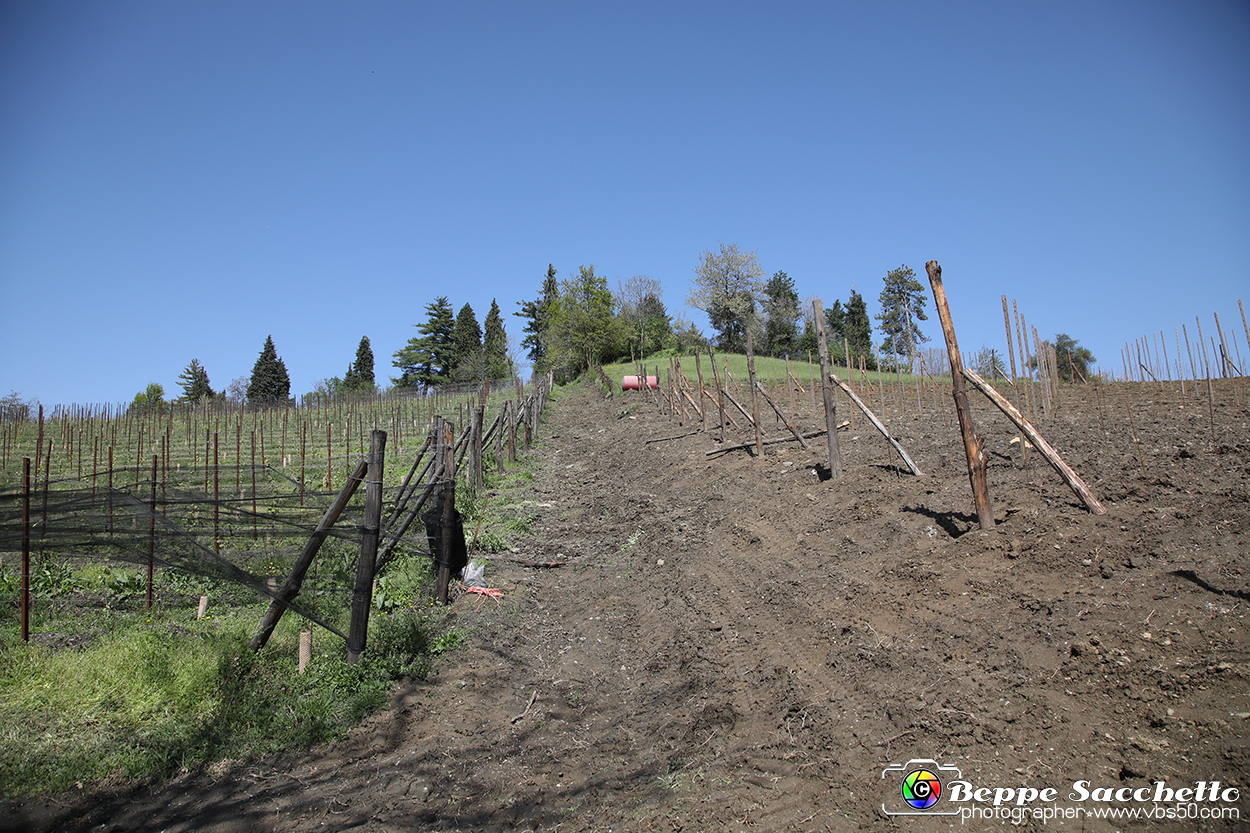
{"x": 972, "y": 443}
{"x": 854, "y": 397}
{"x": 826, "y": 368}
{"x": 401, "y": 498}
{"x": 1063, "y": 469}
{"x": 718, "y": 402}
{"x": 738, "y": 405}
{"x": 797, "y": 435}
{"x": 291, "y": 587}
{"x": 810, "y": 435}
{"x": 362, "y": 593}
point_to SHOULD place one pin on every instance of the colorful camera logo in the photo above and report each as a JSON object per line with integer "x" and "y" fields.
{"x": 919, "y": 784}
{"x": 922, "y": 788}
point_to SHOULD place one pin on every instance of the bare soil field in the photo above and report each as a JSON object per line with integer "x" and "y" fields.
{"x": 730, "y": 642}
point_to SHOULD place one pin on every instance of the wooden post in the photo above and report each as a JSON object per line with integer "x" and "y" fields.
{"x": 972, "y": 443}
{"x": 831, "y": 413}
{"x": 362, "y": 595}
{"x": 698, "y": 368}
{"x": 755, "y": 403}
{"x": 1011, "y": 353}
{"x": 1065, "y": 471}
{"x": 305, "y": 650}
{"x": 720, "y": 399}
{"x": 449, "y": 507}
{"x": 859, "y": 403}
{"x": 152, "y": 534}
{"x": 26, "y": 545}
{"x": 291, "y": 587}
{"x": 479, "y": 414}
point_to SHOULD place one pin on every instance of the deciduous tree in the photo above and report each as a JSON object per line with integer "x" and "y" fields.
{"x": 726, "y": 286}
{"x": 584, "y": 327}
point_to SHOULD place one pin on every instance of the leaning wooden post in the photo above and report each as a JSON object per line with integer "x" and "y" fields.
{"x": 972, "y": 443}
{"x": 831, "y": 413}
{"x": 362, "y": 593}
{"x": 1075, "y": 483}
{"x": 755, "y": 403}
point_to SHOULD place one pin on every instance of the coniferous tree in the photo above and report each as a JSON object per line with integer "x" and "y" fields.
{"x": 194, "y": 381}
{"x": 781, "y": 311}
{"x": 857, "y": 330}
{"x": 466, "y": 340}
{"x": 902, "y": 305}
{"x": 537, "y": 313}
{"x": 426, "y": 360}
{"x": 270, "y": 383}
{"x": 359, "y": 376}
{"x": 495, "y": 344}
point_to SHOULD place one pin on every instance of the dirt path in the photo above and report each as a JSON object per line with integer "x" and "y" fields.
{"x": 736, "y": 644}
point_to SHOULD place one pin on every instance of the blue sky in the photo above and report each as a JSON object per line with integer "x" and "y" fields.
{"x": 181, "y": 180}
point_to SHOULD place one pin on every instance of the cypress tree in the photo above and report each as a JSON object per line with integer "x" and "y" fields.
{"x": 359, "y": 376}
{"x": 495, "y": 344}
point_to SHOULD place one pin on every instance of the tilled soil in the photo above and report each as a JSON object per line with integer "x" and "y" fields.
{"x": 731, "y": 642}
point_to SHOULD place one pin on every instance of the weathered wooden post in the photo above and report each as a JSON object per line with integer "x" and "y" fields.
{"x": 831, "y": 414}
{"x": 755, "y": 403}
{"x": 972, "y": 443}
{"x": 26, "y": 544}
{"x": 152, "y": 534}
{"x": 362, "y": 595}
{"x": 449, "y": 507}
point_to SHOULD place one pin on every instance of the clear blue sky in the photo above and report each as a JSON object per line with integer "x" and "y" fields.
{"x": 180, "y": 180}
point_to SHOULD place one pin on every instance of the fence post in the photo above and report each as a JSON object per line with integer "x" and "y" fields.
{"x": 826, "y": 392}
{"x": 362, "y": 595}
{"x": 972, "y": 443}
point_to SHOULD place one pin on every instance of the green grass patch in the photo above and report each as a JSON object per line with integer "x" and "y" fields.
{"x": 148, "y": 694}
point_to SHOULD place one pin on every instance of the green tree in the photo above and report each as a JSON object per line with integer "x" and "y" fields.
{"x": 149, "y": 398}
{"x": 584, "y": 327}
{"x": 857, "y": 330}
{"x": 495, "y": 344}
{"x": 359, "y": 376}
{"x": 643, "y": 315}
{"x": 537, "y": 315}
{"x": 270, "y": 383}
{"x": 1069, "y": 356}
{"x": 725, "y": 286}
{"x": 194, "y": 381}
{"x": 902, "y": 305}
{"x": 426, "y": 360}
{"x": 466, "y": 346}
{"x": 781, "y": 313}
